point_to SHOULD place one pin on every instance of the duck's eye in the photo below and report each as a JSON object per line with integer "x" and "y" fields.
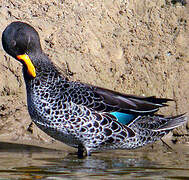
{"x": 13, "y": 43}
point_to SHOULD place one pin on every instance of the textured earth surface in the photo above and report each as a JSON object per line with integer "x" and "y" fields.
{"x": 135, "y": 47}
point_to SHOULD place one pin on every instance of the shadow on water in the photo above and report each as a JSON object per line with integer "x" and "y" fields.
{"x": 30, "y": 162}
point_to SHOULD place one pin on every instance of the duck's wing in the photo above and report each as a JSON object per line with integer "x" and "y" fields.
{"x": 131, "y": 103}
{"x": 104, "y": 100}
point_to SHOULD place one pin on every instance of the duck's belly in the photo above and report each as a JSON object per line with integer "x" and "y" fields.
{"x": 59, "y": 134}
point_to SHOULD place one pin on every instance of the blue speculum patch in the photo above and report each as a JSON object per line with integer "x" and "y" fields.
{"x": 123, "y": 118}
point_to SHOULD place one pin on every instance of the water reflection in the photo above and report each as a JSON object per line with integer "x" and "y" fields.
{"x": 28, "y": 162}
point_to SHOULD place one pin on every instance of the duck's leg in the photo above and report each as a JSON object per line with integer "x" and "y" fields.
{"x": 80, "y": 151}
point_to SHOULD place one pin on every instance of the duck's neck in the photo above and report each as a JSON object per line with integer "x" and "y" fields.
{"x": 41, "y": 63}
{"x": 45, "y": 70}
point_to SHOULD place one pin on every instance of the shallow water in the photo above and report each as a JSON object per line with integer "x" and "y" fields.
{"x": 29, "y": 162}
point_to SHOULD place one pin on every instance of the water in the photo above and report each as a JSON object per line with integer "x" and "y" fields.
{"x": 29, "y": 162}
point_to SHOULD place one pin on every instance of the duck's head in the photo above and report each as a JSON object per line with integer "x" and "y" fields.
{"x": 21, "y": 41}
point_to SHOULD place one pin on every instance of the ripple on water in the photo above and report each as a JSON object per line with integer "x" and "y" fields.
{"x": 29, "y": 162}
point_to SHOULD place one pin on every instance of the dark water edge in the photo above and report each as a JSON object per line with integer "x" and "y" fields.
{"x": 29, "y": 162}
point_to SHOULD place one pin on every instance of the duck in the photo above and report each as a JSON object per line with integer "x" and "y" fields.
{"x": 86, "y": 117}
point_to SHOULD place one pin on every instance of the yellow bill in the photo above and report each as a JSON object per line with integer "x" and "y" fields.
{"x": 29, "y": 65}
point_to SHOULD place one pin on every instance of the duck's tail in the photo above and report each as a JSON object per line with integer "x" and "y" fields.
{"x": 172, "y": 122}
{"x": 149, "y": 129}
